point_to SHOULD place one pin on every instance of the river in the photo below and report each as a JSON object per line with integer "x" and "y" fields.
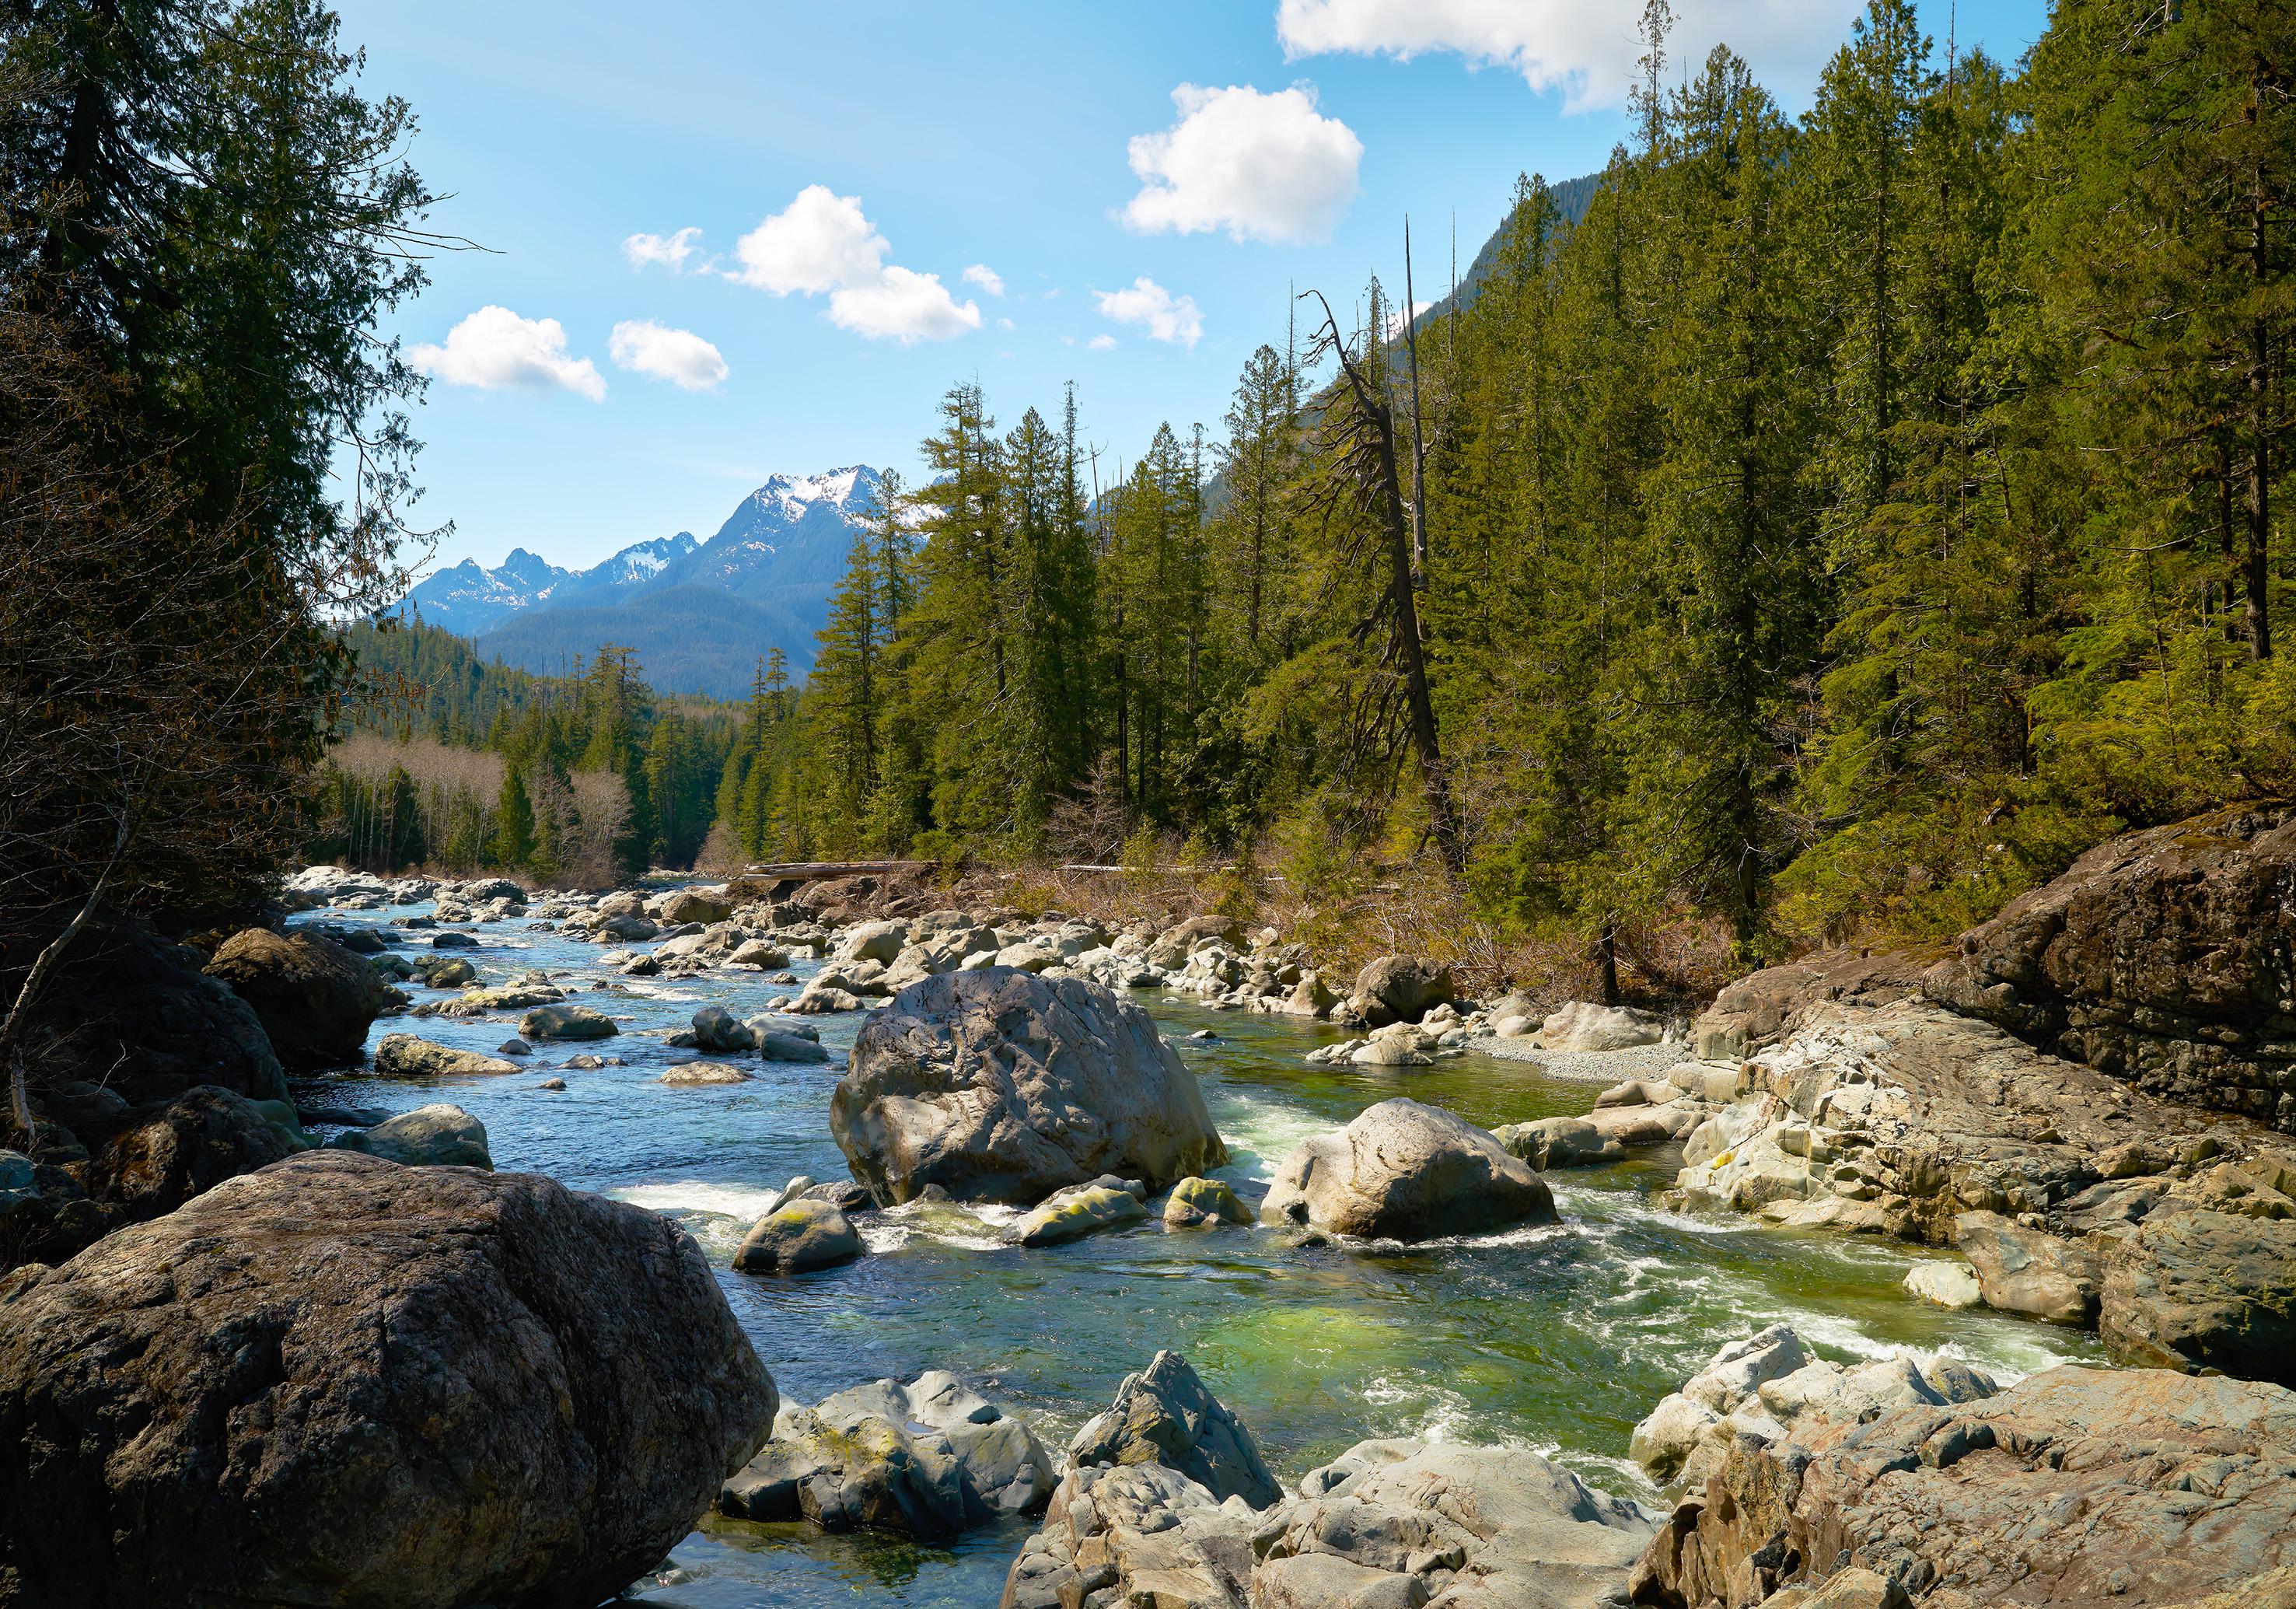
{"x": 1558, "y": 1338}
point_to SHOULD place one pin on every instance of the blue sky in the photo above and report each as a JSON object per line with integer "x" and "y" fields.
{"x": 590, "y": 392}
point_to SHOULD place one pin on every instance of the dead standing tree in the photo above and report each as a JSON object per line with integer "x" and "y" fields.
{"x": 1365, "y": 479}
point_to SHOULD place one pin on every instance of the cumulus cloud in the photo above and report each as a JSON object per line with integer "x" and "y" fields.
{"x": 1156, "y": 310}
{"x": 1587, "y": 52}
{"x": 985, "y": 278}
{"x": 1101, "y": 344}
{"x": 680, "y": 357}
{"x": 902, "y": 306}
{"x": 494, "y": 349}
{"x": 1262, "y": 167}
{"x": 817, "y": 242}
{"x": 1397, "y": 322}
{"x": 662, "y": 251}
{"x": 823, "y": 242}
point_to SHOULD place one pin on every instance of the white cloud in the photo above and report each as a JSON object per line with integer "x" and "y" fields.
{"x": 818, "y": 243}
{"x": 903, "y": 306}
{"x": 1395, "y": 320}
{"x": 985, "y": 278}
{"x": 1589, "y": 51}
{"x": 1101, "y": 344}
{"x": 823, "y": 241}
{"x": 1164, "y": 316}
{"x": 494, "y": 349}
{"x": 1262, "y": 167}
{"x": 680, "y": 357}
{"x": 1004, "y": 324}
{"x": 664, "y": 251}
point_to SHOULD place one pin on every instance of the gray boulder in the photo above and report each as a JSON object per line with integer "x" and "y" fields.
{"x": 799, "y": 1235}
{"x": 428, "y": 1137}
{"x": 1002, "y": 1085}
{"x": 2028, "y": 1271}
{"x": 720, "y": 1032}
{"x": 1406, "y": 1171}
{"x": 929, "y": 1460}
{"x": 566, "y": 1022}
{"x": 1164, "y": 1415}
{"x": 559, "y": 1388}
{"x": 2203, "y": 1290}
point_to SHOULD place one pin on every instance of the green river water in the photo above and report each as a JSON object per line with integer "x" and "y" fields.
{"x": 1557, "y": 1338}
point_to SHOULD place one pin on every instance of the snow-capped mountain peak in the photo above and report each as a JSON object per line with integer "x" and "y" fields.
{"x": 848, "y": 490}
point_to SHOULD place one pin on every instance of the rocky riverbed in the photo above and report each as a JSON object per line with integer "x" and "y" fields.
{"x": 1151, "y": 1265}
{"x": 1554, "y": 1338}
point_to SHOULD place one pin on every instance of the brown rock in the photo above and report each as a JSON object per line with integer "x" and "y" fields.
{"x": 2161, "y": 958}
{"x": 340, "y": 1380}
{"x": 1763, "y": 1007}
{"x": 315, "y": 1000}
{"x": 2028, "y": 1271}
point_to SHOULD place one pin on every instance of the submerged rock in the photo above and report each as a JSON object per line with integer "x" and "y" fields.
{"x": 1002, "y": 1085}
{"x": 1406, "y": 1171}
{"x": 559, "y": 1390}
{"x": 1077, "y": 1211}
{"x": 705, "y": 1073}
{"x": 402, "y": 1055}
{"x": 929, "y": 1459}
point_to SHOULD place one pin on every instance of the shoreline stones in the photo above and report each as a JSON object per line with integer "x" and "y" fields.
{"x": 1403, "y": 1170}
{"x": 559, "y": 1390}
{"x": 1005, "y": 1086}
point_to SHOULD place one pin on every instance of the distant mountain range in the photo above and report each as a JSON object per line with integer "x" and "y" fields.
{"x": 698, "y": 612}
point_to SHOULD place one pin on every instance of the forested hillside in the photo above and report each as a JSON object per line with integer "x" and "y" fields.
{"x": 1839, "y": 526}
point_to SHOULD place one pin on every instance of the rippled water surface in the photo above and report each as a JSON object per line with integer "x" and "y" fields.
{"x": 1558, "y": 1338}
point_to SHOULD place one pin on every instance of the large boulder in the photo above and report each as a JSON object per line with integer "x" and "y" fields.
{"x": 1400, "y": 988}
{"x": 695, "y": 905}
{"x": 1406, "y": 1171}
{"x": 438, "y": 1135}
{"x": 2029, "y": 1271}
{"x": 131, "y": 1013}
{"x": 2161, "y": 956}
{"x": 929, "y": 1459}
{"x": 1002, "y": 1085}
{"x": 341, "y": 1381}
{"x": 2073, "y": 1487}
{"x": 315, "y": 998}
{"x": 1165, "y": 1415}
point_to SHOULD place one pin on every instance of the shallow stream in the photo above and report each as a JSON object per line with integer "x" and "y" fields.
{"x": 1557, "y": 1338}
